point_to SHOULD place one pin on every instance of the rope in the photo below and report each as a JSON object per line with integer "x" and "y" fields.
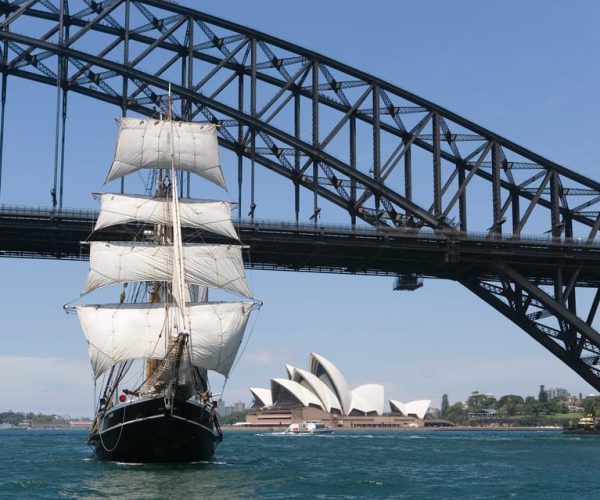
{"x": 120, "y": 433}
{"x": 249, "y": 336}
{"x": 241, "y": 353}
{"x": 122, "y": 371}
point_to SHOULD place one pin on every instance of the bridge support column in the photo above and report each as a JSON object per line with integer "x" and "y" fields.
{"x": 2, "y": 115}
{"x": 437, "y": 166}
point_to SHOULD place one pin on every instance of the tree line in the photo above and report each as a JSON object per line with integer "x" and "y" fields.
{"x": 514, "y": 406}
{"x": 15, "y": 418}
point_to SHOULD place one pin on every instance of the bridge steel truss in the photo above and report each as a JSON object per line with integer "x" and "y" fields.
{"x": 348, "y": 142}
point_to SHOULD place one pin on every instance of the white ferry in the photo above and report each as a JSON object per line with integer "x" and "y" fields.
{"x": 309, "y": 427}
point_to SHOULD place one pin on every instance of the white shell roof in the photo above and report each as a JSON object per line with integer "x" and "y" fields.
{"x": 290, "y": 371}
{"x": 316, "y": 385}
{"x": 368, "y": 398}
{"x": 330, "y": 391}
{"x": 304, "y": 396}
{"x": 417, "y": 407}
{"x": 334, "y": 379}
{"x": 263, "y": 396}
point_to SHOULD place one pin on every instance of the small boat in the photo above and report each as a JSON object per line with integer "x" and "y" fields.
{"x": 585, "y": 425}
{"x": 309, "y": 427}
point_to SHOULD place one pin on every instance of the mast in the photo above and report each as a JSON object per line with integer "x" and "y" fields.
{"x": 178, "y": 282}
{"x": 210, "y": 332}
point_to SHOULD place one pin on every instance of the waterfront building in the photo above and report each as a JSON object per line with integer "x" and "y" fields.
{"x": 82, "y": 423}
{"x": 574, "y": 404}
{"x": 322, "y": 393}
{"x": 483, "y": 413}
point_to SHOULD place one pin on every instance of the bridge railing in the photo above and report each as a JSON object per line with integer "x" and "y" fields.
{"x": 89, "y": 215}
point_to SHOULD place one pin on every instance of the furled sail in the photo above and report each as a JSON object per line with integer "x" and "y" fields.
{"x": 213, "y": 216}
{"x": 144, "y": 143}
{"x": 215, "y": 266}
{"x": 121, "y": 332}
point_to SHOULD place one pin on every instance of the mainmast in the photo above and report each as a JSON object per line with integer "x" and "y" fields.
{"x": 178, "y": 280}
{"x": 127, "y": 331}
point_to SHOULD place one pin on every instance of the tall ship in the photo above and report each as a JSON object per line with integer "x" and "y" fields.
{"x": 151, "y": 352}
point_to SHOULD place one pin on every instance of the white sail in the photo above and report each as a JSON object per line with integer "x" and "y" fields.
{"x": 121, "y": 332}
{"x": 144, "y": 143}
{"x": 215, "y": 266}
{"x": 213, "y": 216}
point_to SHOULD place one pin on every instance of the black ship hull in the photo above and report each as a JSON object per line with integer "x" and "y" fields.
{"x": 148, "y": 431}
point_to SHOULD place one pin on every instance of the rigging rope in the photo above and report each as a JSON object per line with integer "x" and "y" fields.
{"x": 241, "y": 353}
{"x": 118, "y": 439}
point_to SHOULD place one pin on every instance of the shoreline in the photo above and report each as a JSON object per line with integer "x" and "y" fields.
{"x": 271, "y": 429}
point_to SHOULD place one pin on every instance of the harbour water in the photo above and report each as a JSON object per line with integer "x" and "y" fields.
{"x": 419, "y": 464}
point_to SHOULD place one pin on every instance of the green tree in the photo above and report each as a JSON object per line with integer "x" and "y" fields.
{"x": 542, "y": 396}
{"x": 510, "y": 398}
{"x": 457, "y": 413}
{"x": 510, "y": 405}
{"x": 10, "y": 417}
{"x": 558, "y": 406}
{"x": 445, "y": 404}
{"x": 477, "y": 401}
{"x": 531, "y": 406}
{"x": 591, "y": 405}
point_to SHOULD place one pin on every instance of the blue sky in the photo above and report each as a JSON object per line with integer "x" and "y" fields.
{"x": 526, "y": 70}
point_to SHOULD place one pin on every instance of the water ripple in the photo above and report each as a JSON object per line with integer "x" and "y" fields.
{"x": 449, "y": 464}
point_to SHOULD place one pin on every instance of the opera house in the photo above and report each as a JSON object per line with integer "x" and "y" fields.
{"x": 322, "y": 393}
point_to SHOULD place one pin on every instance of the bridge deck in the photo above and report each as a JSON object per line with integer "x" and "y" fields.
{"x": 49, "y": 234}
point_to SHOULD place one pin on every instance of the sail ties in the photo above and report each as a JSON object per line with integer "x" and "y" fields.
{"x": 120, "y": 332}
{"x": 215, "y": 266}
{"x": 144, "y": 143}
{"x": 208, "y": 215}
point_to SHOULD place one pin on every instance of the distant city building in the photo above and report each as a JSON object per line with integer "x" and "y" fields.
{"x": 556, "y": 393}
{"x": 574, "y": 404}
{"x": 239, "y": 407}
{"x": 225, "y": 410}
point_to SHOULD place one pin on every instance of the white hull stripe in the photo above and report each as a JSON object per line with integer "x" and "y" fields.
{"x": 155, "y": 417}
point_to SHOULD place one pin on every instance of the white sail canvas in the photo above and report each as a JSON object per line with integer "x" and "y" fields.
{"x": 177, "y": 331}
{"x": 215, "y": 266}
{"x": 144, "y": 143}
{"x": 209, "y": 215}
{"x": 121, "y": 332}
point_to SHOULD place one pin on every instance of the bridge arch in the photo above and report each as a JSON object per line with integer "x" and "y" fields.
{"x": 306, "y": 117}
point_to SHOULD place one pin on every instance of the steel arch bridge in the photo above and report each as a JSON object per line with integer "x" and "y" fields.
{"x": 346, "y": 142}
